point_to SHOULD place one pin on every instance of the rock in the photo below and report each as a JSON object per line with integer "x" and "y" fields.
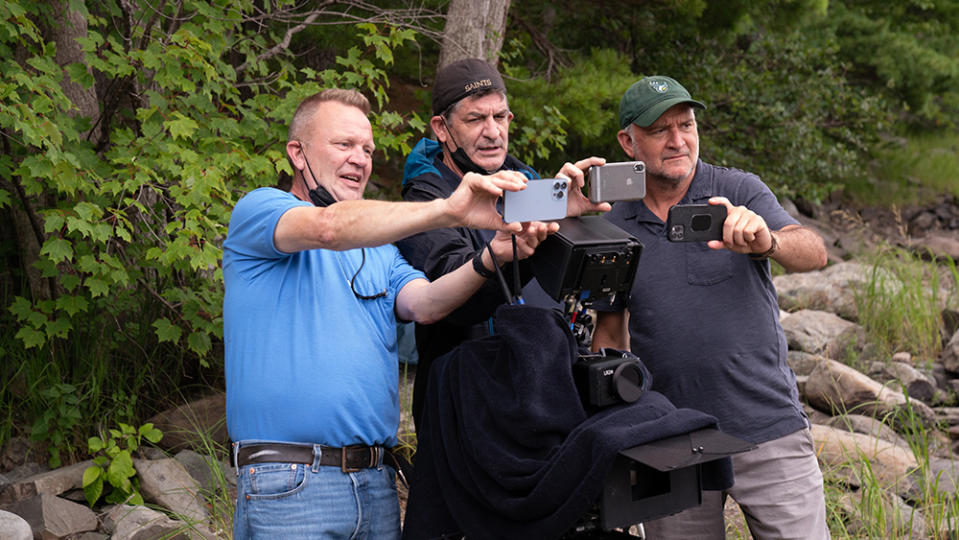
{"x": 831, "y": 289}
{"x": 904, "y": 357}
{"x": 858, "y": 423}
{"x": 201, "y": 468}
{"x": 935, "y": 246}
{"x": 186, "y": 426}
{"x": 947, "y": 415}
{"x": 843, "y": 451}
{"x": 52, "y": 517}
{"x": 52, "y": 482}
{"x": 126, "y": 522}
{"x": 950, "y": 354}
{"x": 835, "y": 387}
{"x": 818, "y": 332}
{"x": 802, "y": 363}
{"x": 14, "y": 527}
{"x": 861, "y": 510}
{"x": 915, "y": 383}
{"x": 165, "y": 482}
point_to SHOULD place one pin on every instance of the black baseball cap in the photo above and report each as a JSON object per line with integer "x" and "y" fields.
{"x": 461, "y": 79}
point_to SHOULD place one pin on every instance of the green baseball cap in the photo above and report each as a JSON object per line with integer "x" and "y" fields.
{"x": 648, "y": 98}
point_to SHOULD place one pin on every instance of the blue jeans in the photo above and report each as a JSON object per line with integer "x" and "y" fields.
{"x": 290, "y": 501}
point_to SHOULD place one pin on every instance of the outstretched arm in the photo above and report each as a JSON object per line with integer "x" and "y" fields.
{"x": 426, "y": 302}
{"x": 366, "y": 223}
{"x": 796, "y": 248}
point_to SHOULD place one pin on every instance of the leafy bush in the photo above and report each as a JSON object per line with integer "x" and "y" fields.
{"x": 138, "y": 216}
{"x": 112, "y": 475}
{"x": 60, "y": 417}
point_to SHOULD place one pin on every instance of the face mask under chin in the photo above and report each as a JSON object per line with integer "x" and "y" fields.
{"x": 466, "y": 164}
{"x": 319, "y": 196}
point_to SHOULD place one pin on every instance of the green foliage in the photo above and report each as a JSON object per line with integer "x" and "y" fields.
{"x": 112, "y": 475}
{"x": 900, "y": 302}
{"x": 917, "y": 170}
{"x": 799, "y": 92}
{"x": 908, "y": 50}
{"x": 130, "y": 204}
{"x": 60, "y": 417}
{"x": 572, "y": 115}
{"x": 139, "y": 215}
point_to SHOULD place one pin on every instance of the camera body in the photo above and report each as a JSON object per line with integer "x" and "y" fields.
{"x": 544, "y": 199}
{"x": 609, "y": 377}
{"x": 623, "y": 181}
{"x": 695, "y": 222}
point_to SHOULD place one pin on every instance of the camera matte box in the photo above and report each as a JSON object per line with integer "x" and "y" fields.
{"x": 662, "y": 477}
{"x": 590, "y": 254}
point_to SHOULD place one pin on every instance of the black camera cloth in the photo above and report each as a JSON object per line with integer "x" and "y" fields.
{"x": 507, "y": 449}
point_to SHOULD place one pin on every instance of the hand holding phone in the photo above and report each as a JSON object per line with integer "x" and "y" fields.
{"x": 623, "y": 181}
{"x": 695, "y": 222}
{"x": 544, "y": 199}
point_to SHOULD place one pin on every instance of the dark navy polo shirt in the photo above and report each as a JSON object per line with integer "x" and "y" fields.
{"x": 706, "y": 322}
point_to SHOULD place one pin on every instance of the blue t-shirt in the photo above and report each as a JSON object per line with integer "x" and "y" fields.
{"x": 306, "y": 360}
{"x": 706, "y": 322}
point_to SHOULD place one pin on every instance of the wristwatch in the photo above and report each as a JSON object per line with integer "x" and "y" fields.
{"x": 479, "y": 266}
{"x": 766, "y": 254}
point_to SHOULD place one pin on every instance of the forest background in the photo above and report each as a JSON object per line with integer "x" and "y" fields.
{"x": 130, "y": 128}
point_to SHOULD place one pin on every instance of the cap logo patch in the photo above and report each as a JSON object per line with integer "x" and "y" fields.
{"x": 477, "y": 84}
{"x": 660, "y": 87}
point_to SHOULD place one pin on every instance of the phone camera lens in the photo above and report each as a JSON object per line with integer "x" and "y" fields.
{"x": 639, "y": 167}
{"x": 557, "y": 195}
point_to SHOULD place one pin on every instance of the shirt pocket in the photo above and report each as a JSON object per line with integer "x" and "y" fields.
{"x": 705, "y": 266}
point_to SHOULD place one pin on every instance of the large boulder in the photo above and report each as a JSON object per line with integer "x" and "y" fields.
{"x": 821, "y": 332}
{"x": 836, "y": 387}
{"x": 831, "y": 289}
{"x": 890, "y": 466}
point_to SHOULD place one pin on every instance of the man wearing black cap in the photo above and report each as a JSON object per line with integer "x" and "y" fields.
{"x": 471, "y": 124}
{"x": 704, "y": 318}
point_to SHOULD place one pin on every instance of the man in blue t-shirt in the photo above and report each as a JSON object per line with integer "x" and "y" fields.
{"x": 313, "y": 294}
{"x": 704, "y": 318}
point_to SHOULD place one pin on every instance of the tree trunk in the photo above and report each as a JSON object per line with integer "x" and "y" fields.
{"x": 65, "y": 27}
{"x": 474, "y": 29}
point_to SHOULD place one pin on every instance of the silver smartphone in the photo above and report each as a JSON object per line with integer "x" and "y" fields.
{"x": 622, "y": 181}
{"x": 544, "y": 199}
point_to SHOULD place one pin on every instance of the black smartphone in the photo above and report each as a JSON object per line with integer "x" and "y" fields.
{"x": 695, "y": 222}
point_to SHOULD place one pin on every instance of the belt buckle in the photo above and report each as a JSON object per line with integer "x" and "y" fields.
{"x": 343, "y": 466}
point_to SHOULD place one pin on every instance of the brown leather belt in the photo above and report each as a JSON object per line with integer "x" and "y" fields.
{"x": 348, "y": 459}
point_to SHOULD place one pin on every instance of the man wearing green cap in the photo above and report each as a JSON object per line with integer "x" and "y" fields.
{"x": 704, "y": 318}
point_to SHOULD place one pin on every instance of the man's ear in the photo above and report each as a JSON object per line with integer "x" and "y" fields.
{"x": 439, "y": 129}
{"x": 625, "y": 141}
{"x": 294, "y": 150}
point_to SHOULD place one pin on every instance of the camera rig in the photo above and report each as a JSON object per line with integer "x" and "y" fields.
{"x": 590, "y": 260}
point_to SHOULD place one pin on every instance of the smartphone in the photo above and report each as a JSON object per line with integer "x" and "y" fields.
{"x": 695, "y": 222}
{"x": 623, "y": 181}
{"x": 544, "y": 199}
